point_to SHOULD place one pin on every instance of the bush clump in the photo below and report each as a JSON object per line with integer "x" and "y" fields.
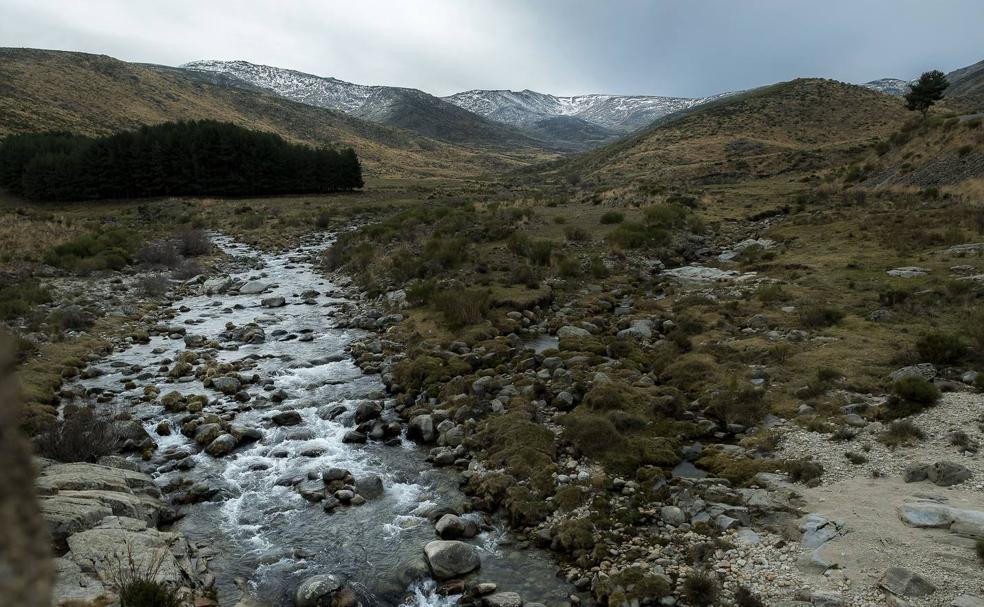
{"x": 910, "y": 395}
{"x": 612, "y": 217}
{"x": 901, "y": 433}
{"x": 941, "y": 348}
{"x": 700, "y": 589}
{"x": 462, "y": 307}
{"x": 818, "y": 317}
{"x": 82, "y": 435}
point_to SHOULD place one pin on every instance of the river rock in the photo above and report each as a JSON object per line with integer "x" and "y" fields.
{"x": 226, "y": 385}
{"x": 287, "y": 418}
{"x": 450, "y": 527}
{"x": 366, "y": 411}
{"x": 672, "y": 515}
{"x": 222, "y": 445}
{"x": 206, "y": 433}
{"x": 503, "y": 599}
{"x": 334, "y": 474}
{"x": 421, "y": 427}
{"x": 450, "y": 559}
{"x": 902, "y": 582}
{"x": 572, "y": 331}
{"x": 369, "y": 487}
{"x": 354, "y": 436}
{"x": 946, "y": 474}
{"x": 324, "y": 591}
{"x": 253, "y": 287}
{"x": 219, "y": 284}
{"x": 273, "y": 302}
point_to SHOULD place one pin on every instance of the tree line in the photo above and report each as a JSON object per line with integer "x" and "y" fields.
{"x": 195, "y": 158}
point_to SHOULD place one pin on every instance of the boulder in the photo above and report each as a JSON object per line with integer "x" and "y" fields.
{"x": 287, "y": 418}
{"x": 451, "y": 559}
{"x": 219, "y": 284}
{"x": 672, "y": 515}
{"x": 366, "y": 411}
{"x": 924, "y": 370}
{"x": 902, "y": 582}
{"x": 946, "y": 474}
{"x": 450, "y": 527}
{"x": 68, "y": 515}
{"x": 572, "y": 331}
{"x": 421, "y": 428}
{"x": 369, "y": 487}
{"x": 222, "y": 445}
{"x": 81, "y": 477}
{"x": 226, "y": 385}
{"x": 503, "y": 599}
{"x": 966, "y": 600}
{"x": 273, "y": 302}
{"x": 818, "y": 530}
{"x": 253, "y": 287}
{"x": 916, "y": 472}
{"x": 324, "y": 591}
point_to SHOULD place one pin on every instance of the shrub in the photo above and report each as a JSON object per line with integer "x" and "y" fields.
{"x": 592, "y": 435}
{"x": 612, "y": 217}
{"x": 910, "y": 395}
{"x": 739, "y": 404}
{"x": 745, "y": 598}
{"x": 576, "y": 234}
{"x": 159, "y": 253}
{"x": 855, "y": 458}
{"x": 153, "y": 286}
{"x": 700, "y": 589}
{"x": 137, "y": 584}
{"x": 941, "y": 348}
{"x": 70, "y": 318}
{"x": 632, "y": 235}
{"x": 81, "y": 436}
{"x": 902, "y": 432}
{"x": 194, "y": 243}
{"x": 818, "y": 316}
{"x": 539, "y": 252}
{"x": 421, "y": 291}
{"x": 21, "y": 297}
{"x": 804, "y": 471}
{"x": 462, "y": 307}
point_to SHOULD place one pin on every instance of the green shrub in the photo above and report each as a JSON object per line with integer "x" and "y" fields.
{"x": 539, "y": 252}
{"x": 612, "y": 217}
{"x": 804, "y": 471}
{"x": 632, "y": 235}
{"x": 462, "y": 307}
{"x": 576, "y": 234}
{"x": 701, "y": 589}
{"x": 941, "y": 348}
{"x": 745, "y": 598}
{"x": 902, "y": 432}
{"x": 20, "y": 298}
{"x": 818, "y": 316}
{"x": 910, "y": 395}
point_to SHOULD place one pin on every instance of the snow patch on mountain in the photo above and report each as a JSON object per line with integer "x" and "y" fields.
{"x": 892, "y": 86}
{"x": 617, "y": 112}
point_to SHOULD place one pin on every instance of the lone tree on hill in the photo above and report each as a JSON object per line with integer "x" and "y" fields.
{"x": 926, "y": 91}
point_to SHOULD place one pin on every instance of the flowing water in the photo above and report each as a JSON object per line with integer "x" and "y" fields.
{"x": 265, "y": 536}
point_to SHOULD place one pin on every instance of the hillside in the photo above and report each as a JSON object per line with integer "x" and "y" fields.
{"x": 96, "y": 95}
{"x": 967, "y": 86}
{"x": 405, "y": 108}
{"x": 793, "y": 126}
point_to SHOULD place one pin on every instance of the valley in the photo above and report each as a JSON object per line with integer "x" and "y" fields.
{"x": 554, "y": 351}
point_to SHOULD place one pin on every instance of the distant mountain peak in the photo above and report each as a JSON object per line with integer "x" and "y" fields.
{"x": 619, "y": 113}
{"x": 892, "y": 86}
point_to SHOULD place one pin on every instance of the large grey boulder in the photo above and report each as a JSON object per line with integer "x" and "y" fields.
{"x": 450, "y": 527}
{"x": 421, "y": 427}
{"x": 817, "y": 530}
{"x": 82, "y": 476}
{"x": 68, "y": 515}
{"x": 226, "y": 385}
{"x": 219, "y": 284}
{"x": 924, "y": 370}
{"x": 253, "y": 287}
{"x": 672, "y": 515}
{"x": 451, "y": 559}
{"x": 324, "y": 591}
{"x": 572, "y": 331}
{"x": 206, "y": 433}
{"x": 966, "y": 600}
{"x": 370, "y": 486}
{"x": 273, "y": 302}
{"x": 902, "y": 582}
{"x": 503, "y": 599}
{"x": 222, "y": 445}
{"x": 946, "y": 474}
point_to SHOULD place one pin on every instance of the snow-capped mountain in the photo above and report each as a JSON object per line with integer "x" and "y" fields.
{"x": 619, "y": 113}
{"x": 892, "y": 86}
{"x": 406, "y": 108}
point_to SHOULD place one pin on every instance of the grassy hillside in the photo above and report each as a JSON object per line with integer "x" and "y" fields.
{"x": 93, "y": 94}
{"x": 789, "y": 127}
{"x": 967, "y": 87}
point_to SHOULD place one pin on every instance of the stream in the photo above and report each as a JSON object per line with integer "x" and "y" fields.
{"x": 265, "y": 536}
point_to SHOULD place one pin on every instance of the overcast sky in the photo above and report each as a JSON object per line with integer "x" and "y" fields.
{"x": 684, "y": 48}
